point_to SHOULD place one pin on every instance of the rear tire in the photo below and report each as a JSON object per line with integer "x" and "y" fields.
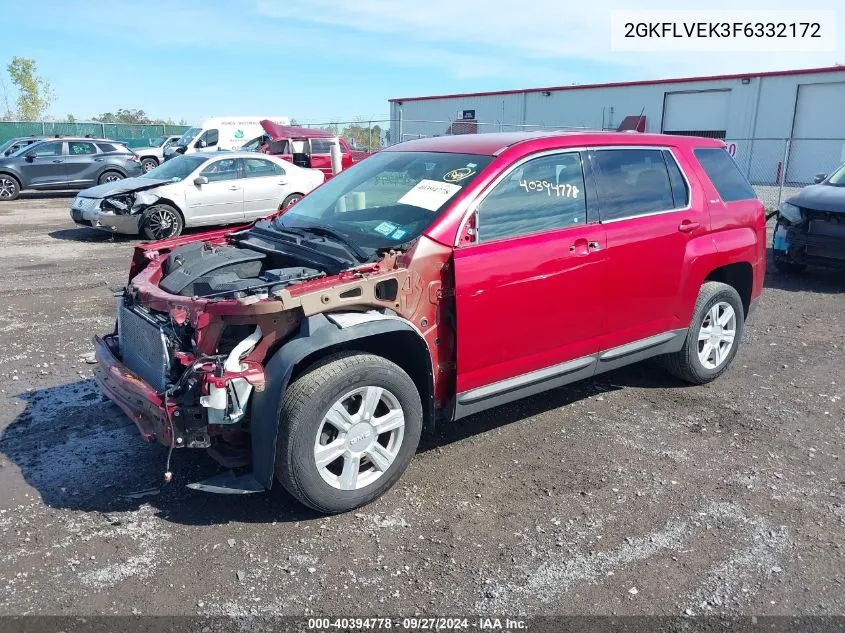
{"x": 291, "y": 199}
{"x": 148, "y": 164}
{"x": 706, "y": 354}
{"x": 789, "y": 268}
{"x": 161, "y": 222}
{"x": 110, "y": 176}
{"x": 10, "y": 188}
{"x": 364, "y": 406}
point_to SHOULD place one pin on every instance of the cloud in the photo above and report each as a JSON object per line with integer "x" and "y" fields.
{"x": 506, "y": 37}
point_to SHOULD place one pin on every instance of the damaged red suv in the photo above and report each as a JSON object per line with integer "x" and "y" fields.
{"x": 438, "y": 278}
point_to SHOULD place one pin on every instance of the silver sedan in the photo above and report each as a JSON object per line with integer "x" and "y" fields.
{"x": 205, "y": 188}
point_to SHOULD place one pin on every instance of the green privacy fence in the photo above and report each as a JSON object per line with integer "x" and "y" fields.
{"x": 115, "y": 131}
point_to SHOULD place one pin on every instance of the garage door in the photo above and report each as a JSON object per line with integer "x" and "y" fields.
{"x": 818, "y": 132}
{"x": 701, "y": 113}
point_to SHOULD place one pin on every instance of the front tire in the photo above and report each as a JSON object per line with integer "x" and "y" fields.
{"x": 161, "y": 222}
{"x": 148, "y": 164}
{"x": 10, "y": 188}
{"x": 713, "y": 336}
{"x": 348, "y": 429}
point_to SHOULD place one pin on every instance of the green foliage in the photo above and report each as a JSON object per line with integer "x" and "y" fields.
{"x": 70, "y": 118}
{"x": 35, "y": 94}
{"x": 363, "y": 135}
{"x": 125, "y": 116}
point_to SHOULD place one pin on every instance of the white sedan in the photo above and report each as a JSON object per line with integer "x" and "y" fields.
{"x": 204, "y": 188}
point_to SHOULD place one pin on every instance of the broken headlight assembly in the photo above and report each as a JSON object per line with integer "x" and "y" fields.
{"x": 119, "y": 205}
{"x": 790, "y": 212}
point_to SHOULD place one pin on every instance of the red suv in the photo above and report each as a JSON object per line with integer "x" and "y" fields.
{"x": 438, "y": 278}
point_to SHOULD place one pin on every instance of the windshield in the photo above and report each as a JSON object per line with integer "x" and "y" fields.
{"x": 838, "y": 178}
{"x": 177, "y": 168}
{"x": 387, "y": 200}
{"x": 188, "y": 136}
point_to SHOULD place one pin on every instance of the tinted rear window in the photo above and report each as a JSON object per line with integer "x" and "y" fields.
{"x": 633, "y": 182}
{"x": 724, "y": 174}
{"x": 106, "y": 147}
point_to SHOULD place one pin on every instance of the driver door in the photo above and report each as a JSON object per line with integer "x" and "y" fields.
{"x": 530, "y": 289}
{"x": 221, "y": 199}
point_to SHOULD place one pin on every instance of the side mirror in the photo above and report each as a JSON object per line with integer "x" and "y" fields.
{"x": 819, "y": 178}
{"x": 30, "y": 155}
{"x": 200, "y": 143}
{"x": 201, "y": 180}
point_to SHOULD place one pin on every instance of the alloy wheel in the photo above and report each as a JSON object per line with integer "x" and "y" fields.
{"x": 359, "y": 438}
{"x": 112, "y": 178}
{"x": 7, "y": 188}
{"x": 717, "y": 335}
{"x": 162, "y": 223}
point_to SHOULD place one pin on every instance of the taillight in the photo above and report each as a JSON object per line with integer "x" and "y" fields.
{"x": 135, "y": 158}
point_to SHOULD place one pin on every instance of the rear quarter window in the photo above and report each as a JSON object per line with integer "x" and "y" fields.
{"x": 724, "y": 174}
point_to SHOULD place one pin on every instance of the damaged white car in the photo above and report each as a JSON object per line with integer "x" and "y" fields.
{"x": 197, "y": 189}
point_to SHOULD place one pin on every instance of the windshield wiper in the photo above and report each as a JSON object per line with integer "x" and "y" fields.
{"x": 335, "y": 235}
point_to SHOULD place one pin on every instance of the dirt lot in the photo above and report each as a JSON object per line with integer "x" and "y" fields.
{"x": 631, "y": 494}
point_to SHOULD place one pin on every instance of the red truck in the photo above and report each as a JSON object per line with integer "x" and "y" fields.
{"x": 305, "y": 147}
{"x": 434, "y": 280}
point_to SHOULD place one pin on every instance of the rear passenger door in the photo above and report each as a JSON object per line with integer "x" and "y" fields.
{"x": 265, "y": 185}
{"x": 82, "y": 163}
{"x": 530, "y": 288}
{"x": 650, "y": 212}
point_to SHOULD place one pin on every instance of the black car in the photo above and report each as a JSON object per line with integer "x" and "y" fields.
{"x": 811, "y": 226}
{"x": 66, "y": 163}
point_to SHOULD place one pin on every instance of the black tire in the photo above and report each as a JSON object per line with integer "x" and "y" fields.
{"x": 10, "y": 188}
{"x": 291, "y": 199}
{"x": 305, "y": 405}
{"x": 148, "y": 164}
{"x": 686, "y": 363}
{"x": 157, "y": 219}
{"x": 110, "y": 176}
{"x": 789, "y": 268}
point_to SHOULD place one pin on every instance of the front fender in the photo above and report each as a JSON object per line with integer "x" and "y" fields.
{"x": 315, "y": 333}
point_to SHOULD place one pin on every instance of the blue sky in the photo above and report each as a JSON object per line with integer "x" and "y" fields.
{"x": 322, "y": 60}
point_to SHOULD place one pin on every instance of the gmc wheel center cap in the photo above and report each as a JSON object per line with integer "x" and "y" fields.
{"x": 360, "y": 437}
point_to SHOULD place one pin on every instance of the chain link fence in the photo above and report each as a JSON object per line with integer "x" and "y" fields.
{"x": 779, "y": 167}
{"x": 114, "y": 131}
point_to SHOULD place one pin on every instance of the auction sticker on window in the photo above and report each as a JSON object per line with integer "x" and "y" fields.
{"x": 429, "y": 194}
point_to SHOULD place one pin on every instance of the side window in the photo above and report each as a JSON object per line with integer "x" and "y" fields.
{"x": 48, "y": 149}
{"x": 226, "y": 169}
{"x": 543, "y": 194}
{"x": 210, "y": 137}
{"x": 106, "y": 147}
{"x": 680, "y": 189}
{"x": 321, "y": 146}
{"x": 632, "y": 182}
{"x": 258, "y": 168}
{"x": 724, "y": 174}
{"x": 78, "y": 148}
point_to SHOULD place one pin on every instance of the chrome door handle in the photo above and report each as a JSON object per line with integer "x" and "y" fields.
{"x": 282, "y": 182}
{"x": 234, "y": 188}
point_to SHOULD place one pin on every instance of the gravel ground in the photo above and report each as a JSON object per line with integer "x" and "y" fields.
{"x": 630, "y": 494}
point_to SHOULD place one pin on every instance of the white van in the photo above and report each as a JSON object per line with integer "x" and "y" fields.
{"x": 222, "y": 132}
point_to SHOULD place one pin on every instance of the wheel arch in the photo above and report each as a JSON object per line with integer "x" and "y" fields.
{"x": 391, "y": 337}
{"x": 12, "y": 174}
{"x": 738, "y": 275}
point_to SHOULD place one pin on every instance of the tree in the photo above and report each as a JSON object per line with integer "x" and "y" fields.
{"x": 35, "y": 94}
{"x": 124, "y": 116}
{"x": 364, "y": 135}
{"x": 71, "y": 118}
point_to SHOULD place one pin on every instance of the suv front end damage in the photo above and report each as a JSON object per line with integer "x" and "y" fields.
{"x": 804, "y": 236}
{"x": 199, "y": 321}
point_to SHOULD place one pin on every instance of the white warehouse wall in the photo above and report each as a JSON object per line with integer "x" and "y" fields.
{"x": 761, "y": 109}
